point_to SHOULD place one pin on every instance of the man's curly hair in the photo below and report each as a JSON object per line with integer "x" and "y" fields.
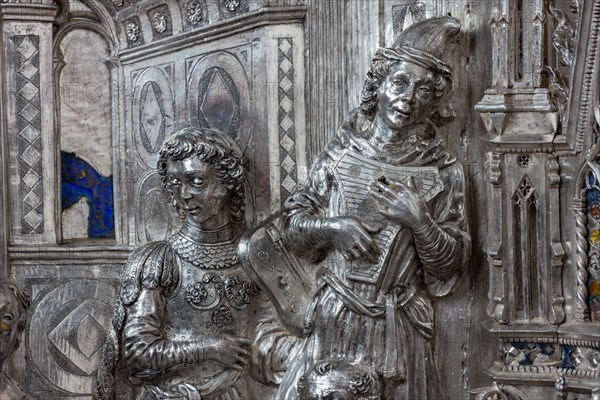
{"x": 358, "y": 380}
{"x": 23, "y": 302}
{"x": 217, "y": 150}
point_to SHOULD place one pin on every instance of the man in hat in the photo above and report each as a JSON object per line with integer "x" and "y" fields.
{"x": 383, "y": 214}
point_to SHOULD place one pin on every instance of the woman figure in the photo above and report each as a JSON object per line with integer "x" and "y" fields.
{"x": 186, "y": 310}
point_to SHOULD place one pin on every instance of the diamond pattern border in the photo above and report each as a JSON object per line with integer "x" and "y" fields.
{"x": 28, "y": 101}
{"x": 286, "y": 118}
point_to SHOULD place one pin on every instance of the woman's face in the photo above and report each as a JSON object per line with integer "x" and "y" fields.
{"x": 406, "y": 96}
{"x": 199, "y": 193}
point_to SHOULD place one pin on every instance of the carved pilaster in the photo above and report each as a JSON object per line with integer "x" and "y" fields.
{"x": 525, "y": 249}
{"x": 29, "y": 119}
{"x": 579, "y": 209}
{"x": 556, "y": 313}
{"x": 497, "y": 306}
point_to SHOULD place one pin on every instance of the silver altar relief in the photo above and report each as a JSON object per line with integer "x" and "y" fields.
{"x": 107, "y": 82}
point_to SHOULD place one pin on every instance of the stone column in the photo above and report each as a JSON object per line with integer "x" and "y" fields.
{"x": 29, "y": 168}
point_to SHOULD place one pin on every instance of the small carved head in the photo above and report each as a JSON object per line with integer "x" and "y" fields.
{"x": 339, "y": 379}
{"x": 212, "y": 163}
{"x": 14, "y": 303}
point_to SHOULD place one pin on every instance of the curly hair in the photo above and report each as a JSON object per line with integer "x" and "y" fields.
{"x": 23, "y": 302}
{"x": 378, "y": 72}
{"x": 358, "y": 380}
{"x": 222, "y": 155}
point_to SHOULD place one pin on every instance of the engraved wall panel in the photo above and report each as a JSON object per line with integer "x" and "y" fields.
{"x": 222, "y": 84}
{"x": 73, "y": 284}
{"x": 152, "y": 110}
{"x": 71, "y": 309}
{"x": 218, "y": 94}
{"x": 327, "y": 79}
{"x": 155, "y": 214}
{"x": 66, "y": 333}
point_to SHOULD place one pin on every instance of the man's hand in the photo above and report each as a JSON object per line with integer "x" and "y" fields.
{"x": 229, "y": 351}
{"x": 400, "y": 202}
{"x": 351, "y": 239}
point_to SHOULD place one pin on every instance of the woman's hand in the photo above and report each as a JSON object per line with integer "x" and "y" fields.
{"x": 227, "y": 350}
{"x": 351, "y": 238}
{"x": 400, "y": 202}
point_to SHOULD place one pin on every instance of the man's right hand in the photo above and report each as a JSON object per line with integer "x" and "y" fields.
{"x": 228, "y": 350}
{"x": 351, "y": 238}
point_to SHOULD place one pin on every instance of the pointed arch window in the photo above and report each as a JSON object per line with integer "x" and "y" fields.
{"x": 526, "y": 277}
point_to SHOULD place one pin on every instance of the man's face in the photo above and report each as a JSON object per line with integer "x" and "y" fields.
{"x": 406, "y": 96}
{"x": 9, "y": 321}
{"x": 200, "y": 194}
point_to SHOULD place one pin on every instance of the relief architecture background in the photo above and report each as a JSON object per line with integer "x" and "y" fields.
{"x": 91, "y": 88}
